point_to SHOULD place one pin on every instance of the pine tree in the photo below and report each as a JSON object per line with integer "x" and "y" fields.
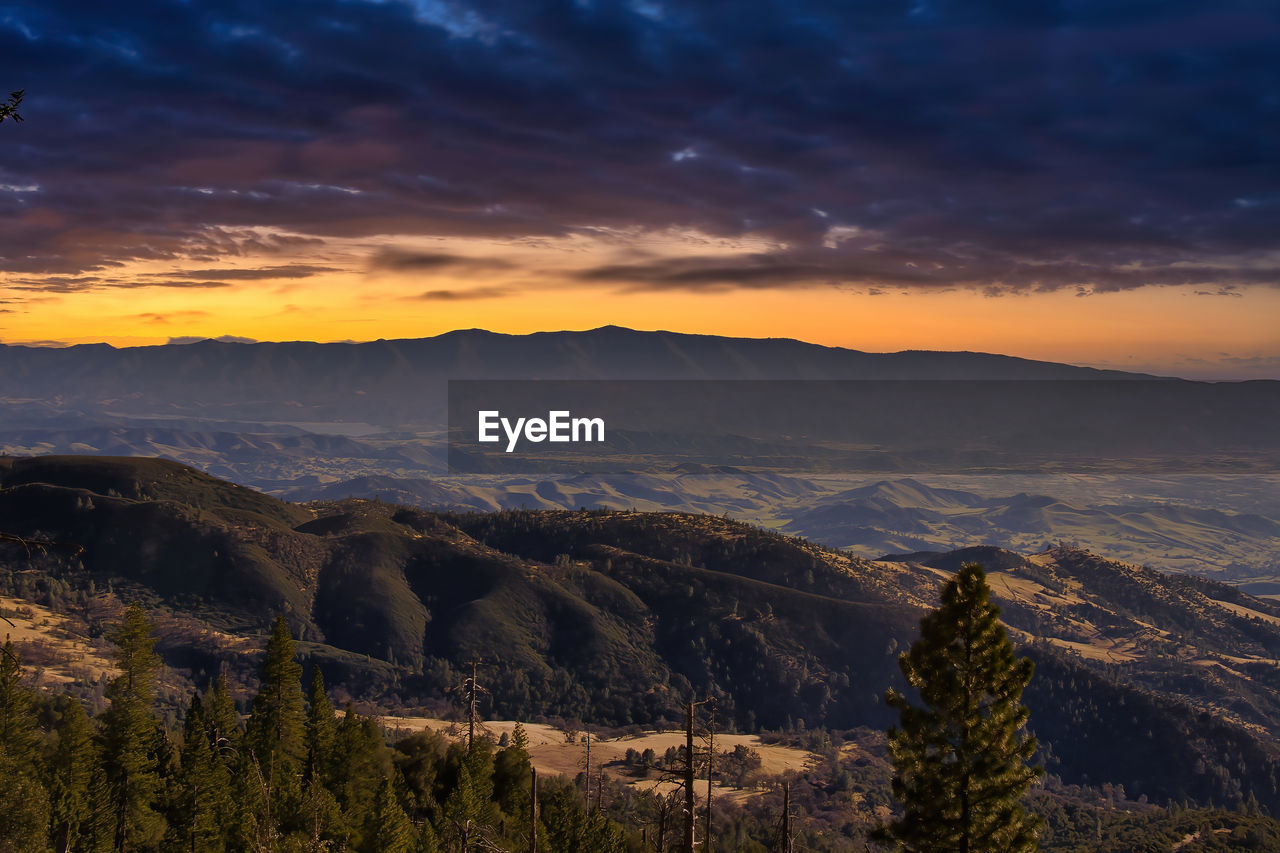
{"x": 323, "y": 815}
{"x": 389, "y": 830}
{"x": 511, "y": 767}
{"x": 322, "y": 730}
{"x": 567, "y": 826}
{"x": 462, "y": 811}
{"x": 25, "y": 813}
{"x": 275, "y": 728}
{"x": 224, "y": 723}
{"x": 201, "y": 802}
{"x": 428, "y": 841}
{"x": 274, "y": 744}
{"x": 960, "y": 762}
{"x": 71, "y": 768}
{"x": 18, "y": 740}
{"x": 361, "y": 761}
{"x": 129, "y": 737}
{"x": 479, "y": 763}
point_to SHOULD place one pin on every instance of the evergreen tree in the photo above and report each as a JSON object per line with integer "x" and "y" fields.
{"x": 322, "y": 730}
{"x": 462, "y": 811}
{"x": 389, "y": 830}
{"x": 18, "y": 740}
{"x": 469, "y": 812}
{"x": 274, "y": 748}
{"x": 361, "y": 762}
{"x": 222, "y": 721}
{"x": 428, "y": 841}
{"x": 129, "y": 737}
{"x": 72, "y": 764}
{"x": 323, "y": 815}
{"x": 201, "y": 801}
{"x": 567, "y": 827}
{"x": 511, "y": 769}
{"x": 960, "y": 762}
{"x": 275, "y": 728}
{"x": 479, "y": 763}
{"x": 24, "y": 816}
{"x": 419, "y": 760}
{"x": 321, "y": 818}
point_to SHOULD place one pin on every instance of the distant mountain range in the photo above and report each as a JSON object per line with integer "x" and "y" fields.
{"x": 1165, "y": 684}
{"x": 322, "y": 421}
{"x": 210, "y": 403}
{"x": 402, "y": 381}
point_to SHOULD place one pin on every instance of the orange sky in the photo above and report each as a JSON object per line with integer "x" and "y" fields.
{"x": 1167, "y": 330}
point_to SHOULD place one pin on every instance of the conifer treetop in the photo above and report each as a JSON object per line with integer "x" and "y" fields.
{"x": 960, "y": 758}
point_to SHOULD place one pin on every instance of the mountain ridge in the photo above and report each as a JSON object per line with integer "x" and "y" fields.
{"x": 561, "y": 342}
{"x": 609, "y": 333}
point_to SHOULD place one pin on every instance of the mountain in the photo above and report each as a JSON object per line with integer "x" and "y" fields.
{"x": 1165, "y": 684}
{"x": 403, "y": 381}
{"x": 380, "y": 408}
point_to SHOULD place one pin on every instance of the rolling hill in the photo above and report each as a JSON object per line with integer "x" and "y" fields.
{"x": 1165, "y": 684}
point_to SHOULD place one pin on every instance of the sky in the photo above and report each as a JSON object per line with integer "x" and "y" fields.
{"x": 1088, "y": 181}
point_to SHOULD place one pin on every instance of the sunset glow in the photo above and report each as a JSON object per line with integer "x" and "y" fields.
{"x": 380, "y": 170}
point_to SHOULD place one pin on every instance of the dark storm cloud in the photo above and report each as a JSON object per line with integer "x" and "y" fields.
{"x": 1002, "y": 145}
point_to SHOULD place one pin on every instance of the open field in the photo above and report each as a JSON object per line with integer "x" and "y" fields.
{"x": 46, "y": 641}
{"x": 552, "y": 752}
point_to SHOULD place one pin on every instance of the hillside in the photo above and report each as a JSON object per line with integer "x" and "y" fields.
{"x": 1165, "y": 684}
{"x": 906, "y": 514}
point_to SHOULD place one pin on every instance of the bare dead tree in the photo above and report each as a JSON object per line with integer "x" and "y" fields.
{"x": 587, "y": 781}
{"x": 711, "y": 757}
{"x": 782, "y": 834}
{"x": 471, "y": 690}
{"x": 533, "y": 810}
{"x": 690, "y": 764}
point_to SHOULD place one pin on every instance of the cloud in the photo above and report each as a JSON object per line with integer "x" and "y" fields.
{"x": 75, "y": 284}
{"x": 462, "y": 295}
{"x": 223, "y": 339}
{"x": 995, "y": 274}
{"x": 283, "y": 271}
{"x": 404, "y": 261}
{"x": 169, "y": 316}
{"x": 1001, "y": 146}
{"x": 1253, "y": 360}
{"x": 177, "y": 284}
